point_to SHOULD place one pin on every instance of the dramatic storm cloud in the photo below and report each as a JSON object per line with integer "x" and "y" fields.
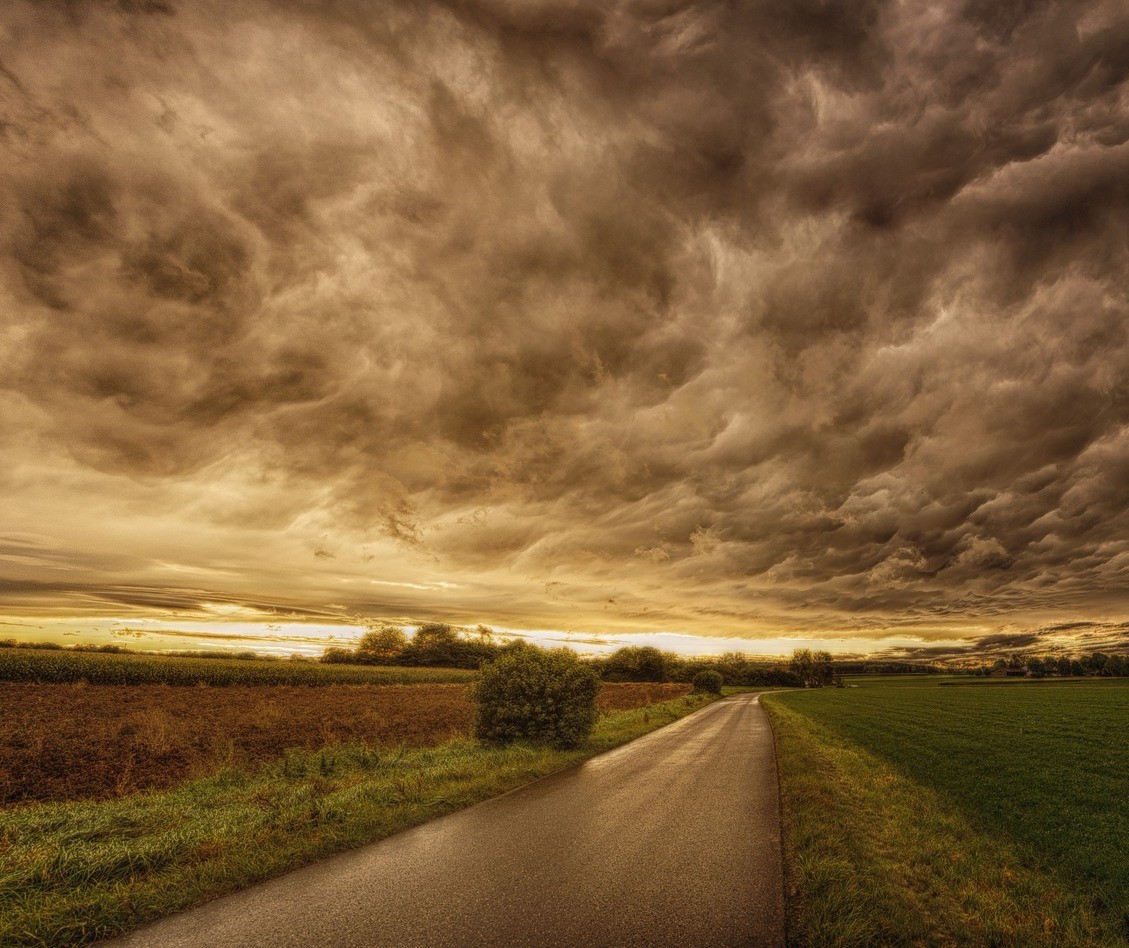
{"x": 741, "y": 319}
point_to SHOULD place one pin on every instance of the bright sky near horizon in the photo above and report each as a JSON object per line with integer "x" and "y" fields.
{"x": 714, "y": 325}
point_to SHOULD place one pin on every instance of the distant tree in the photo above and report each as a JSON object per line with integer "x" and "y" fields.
{"x": 337, "y": 656}
{"x": 382, "y": 645}
{"x": 675, "y": 667}
{"x": 438, "y": 644}
{"x": 813, "y": 669}
{"x": 433, "y": 643}
{"x": 735, "y": 668}
{"x": 635, "y": 663}
{"x": 823, "y": 670}
{"x": 1095, "y": 663}
{"x": 803, "y": 665}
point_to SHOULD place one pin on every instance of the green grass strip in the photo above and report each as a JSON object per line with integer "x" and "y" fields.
{"x": 76, "y": 872}
{"x": 875, "y": 858}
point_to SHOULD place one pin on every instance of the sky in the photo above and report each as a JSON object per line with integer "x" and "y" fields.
{"x": 715, "y": 324}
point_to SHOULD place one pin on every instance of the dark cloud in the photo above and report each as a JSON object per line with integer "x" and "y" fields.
{"x": 714, "y": 317}
{"x": 1069, "y": 638}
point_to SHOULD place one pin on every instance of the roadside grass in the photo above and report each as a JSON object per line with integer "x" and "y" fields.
{"x": 935, "y": 816}
{"x": 77, "y": 872}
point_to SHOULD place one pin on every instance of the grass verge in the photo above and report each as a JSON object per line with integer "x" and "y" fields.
{"x": 873, "y": 857}
{"x": 77, "y": 872}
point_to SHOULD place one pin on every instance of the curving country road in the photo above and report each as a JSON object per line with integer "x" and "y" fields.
{"x": 673, "y": 839}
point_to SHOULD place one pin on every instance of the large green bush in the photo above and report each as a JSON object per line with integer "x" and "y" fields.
{"x": 708, "y": 682}
{"x": 538, "y": 695}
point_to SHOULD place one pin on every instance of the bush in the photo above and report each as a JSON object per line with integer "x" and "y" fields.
{"x": 538, "y": 695}
{"x": 708, "y": 682}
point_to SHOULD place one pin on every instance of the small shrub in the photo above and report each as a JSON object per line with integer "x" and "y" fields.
{"x": 707, "y": 682}
{"x": 532, "y": 694}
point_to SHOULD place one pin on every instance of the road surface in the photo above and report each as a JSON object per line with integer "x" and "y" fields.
{"x": 673, "y": 839}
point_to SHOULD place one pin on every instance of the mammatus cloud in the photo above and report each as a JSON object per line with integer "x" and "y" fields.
{"x": 735, "y": 319}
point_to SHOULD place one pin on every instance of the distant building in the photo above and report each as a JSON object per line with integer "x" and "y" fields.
{"x": 1006, "y": 672}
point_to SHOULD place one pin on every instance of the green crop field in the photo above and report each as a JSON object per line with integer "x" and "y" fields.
{"x": 917, "y": 812}
{"x": 59, "y": 666}
{"x": 909, "y": 681}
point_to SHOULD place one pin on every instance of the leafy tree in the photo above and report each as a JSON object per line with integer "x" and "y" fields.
{"x": 337, "y": 656}
{"x": 534, "y": 694}
{"x": 1096, "y": 663}
{"x": 735, "y": 668}
{"x": 803, "y": 665}
{"x": 438, "y": 644}
{"x": 635, "y": 663}
{"x": 814, "y": 669}
{"x": 382, "y": 645}
{"x": 433, "y": 643}
{"x": 677, "y": 668}
{"x": 824, "y": 670}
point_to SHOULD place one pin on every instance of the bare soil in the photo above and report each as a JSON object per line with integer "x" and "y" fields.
{"x": 77, "y": 741}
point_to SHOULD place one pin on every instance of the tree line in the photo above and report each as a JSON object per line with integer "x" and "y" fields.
{"x": 440, "y": 645}
{"x": 1092, "y": 665}
{"x": 433, "y": 645}
{"x": 646, "y": 663}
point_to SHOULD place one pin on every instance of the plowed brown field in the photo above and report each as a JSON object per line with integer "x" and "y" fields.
{"x": 67, "y": 742}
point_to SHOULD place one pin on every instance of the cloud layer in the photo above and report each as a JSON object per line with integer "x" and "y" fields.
{"x": 730, "y": 318}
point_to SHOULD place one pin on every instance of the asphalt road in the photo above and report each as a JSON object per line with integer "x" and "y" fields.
{"x": 673, "y": 839}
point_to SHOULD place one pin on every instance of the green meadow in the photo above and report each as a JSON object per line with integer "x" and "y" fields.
{"x": 941, "y": 811}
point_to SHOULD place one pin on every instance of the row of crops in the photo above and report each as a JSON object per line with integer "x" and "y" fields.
{"x": 62, "y": 667}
